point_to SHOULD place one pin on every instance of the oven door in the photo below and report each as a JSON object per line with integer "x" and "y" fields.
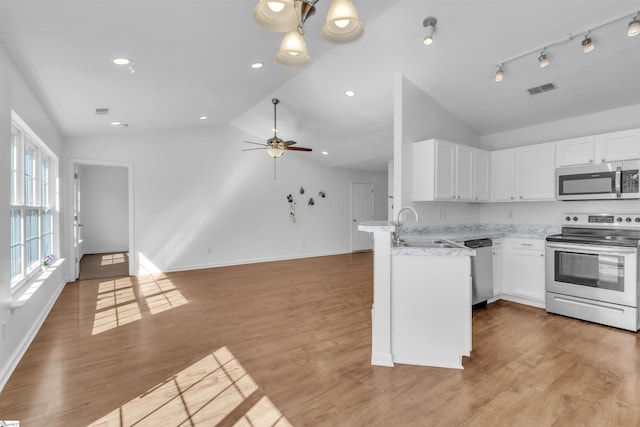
{"x": 601, "y": 273}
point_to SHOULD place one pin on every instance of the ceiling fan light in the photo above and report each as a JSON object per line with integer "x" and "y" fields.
{"x": 342, "y": 24}
{"x": 293, "y": 50}
{"x": 275, "y": 152}
{"x": 634, "y": 27}
{"x": 276, "y": 15}
{"x": 587, "y": 44}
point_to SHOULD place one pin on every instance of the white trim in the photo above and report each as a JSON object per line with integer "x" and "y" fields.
{"x": 73, "y": 162}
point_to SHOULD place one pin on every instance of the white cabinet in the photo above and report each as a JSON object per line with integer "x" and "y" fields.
{"x": 524, "y": 173}
{"x": 482, "y": 173}
{"x": 608, "y": 147}
{"x": 616, "y": 146}
{"x": 443, "y": 171}
{"x": 524, "y": 263}
{"x": 577, "y": 151}
{"x": 497, "y": 267}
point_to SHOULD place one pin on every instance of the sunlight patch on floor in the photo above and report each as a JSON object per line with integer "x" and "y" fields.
{"x": 110, "y": 259}
{"x": 204, "y": 394}
{"x": 117, "y": 303}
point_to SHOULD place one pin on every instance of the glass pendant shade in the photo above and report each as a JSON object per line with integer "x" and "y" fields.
{"x": 293, "y": 50}
{"x": 499, "y": 75}
{"x": 587, "y": 44}
{"x": 428, "y": 39}
{"x": 342, "y": 24}
{"x": 275, "y": 152}
{"x": 276, "y": 15}
{"x": 543, "y": 61}
{"x": 634, "y": 27}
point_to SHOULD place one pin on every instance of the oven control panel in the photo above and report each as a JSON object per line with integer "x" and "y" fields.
{"x": 618, "y": 220}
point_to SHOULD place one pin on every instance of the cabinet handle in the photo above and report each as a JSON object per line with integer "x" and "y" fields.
{"x": 476, "y": 197}
{"x": 521, "y": 197}
{"x": 590, "y": 160}
{"x": 527, "y": 244}
{"x": 541, "y": 254}
{"x": 511, "y": 197}
{"x": 458, "y": 197}
{"x": 604, "y": 160}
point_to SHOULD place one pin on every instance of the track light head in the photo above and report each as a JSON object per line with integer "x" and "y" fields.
{"x": 499, "y": 74}
{"x": 587, "y": 44}
{"x": 429, "y": 24}
{"x": 543, "y": 60}
{"x": 634, "y": 26}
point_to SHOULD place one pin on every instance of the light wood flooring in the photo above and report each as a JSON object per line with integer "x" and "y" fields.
{"x": 288, "y": 343}
{"x": 99, "y": 266}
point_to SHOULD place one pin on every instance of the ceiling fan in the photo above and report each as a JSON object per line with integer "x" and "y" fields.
{"x": 276, "y": 146}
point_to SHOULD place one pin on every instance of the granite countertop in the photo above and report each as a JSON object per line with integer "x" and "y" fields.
{"x": 458, "y": 233}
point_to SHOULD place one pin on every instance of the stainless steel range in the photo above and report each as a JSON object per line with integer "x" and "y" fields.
{"x": 592, "y": 269}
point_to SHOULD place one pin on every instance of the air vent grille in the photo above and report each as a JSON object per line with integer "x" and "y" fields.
{"x": 102, "y": 111}
{"x": 542, "y": 88}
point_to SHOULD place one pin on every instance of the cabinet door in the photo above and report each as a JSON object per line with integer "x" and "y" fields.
{"x": 536, "y": 168}
{"x": 481, "y": 174}
{"x": 527, "y": 273}
{"x": 615, "y": 146}
{"x": 576, "y": 151}
{"x": 445, "y": 170}
{"x": 503, "y": 174}
{"x": 465, "y": 159}
{"x": 497, "y": 268}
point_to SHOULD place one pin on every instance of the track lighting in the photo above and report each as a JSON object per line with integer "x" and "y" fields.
{"x": 634, "y": 26}
{"x": 499, "y": 74}
{"x": 543, "y": 61}
{"x": 342, "y": 25}
{"x": 587, "y": 44}
{"x": 429, "y": 24}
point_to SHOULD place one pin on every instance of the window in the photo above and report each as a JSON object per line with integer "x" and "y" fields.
{"x": 32, "y": 167}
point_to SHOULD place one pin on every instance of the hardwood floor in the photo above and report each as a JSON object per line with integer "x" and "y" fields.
{"x": 288, "y": 343}
{"x": 100, "y": 266}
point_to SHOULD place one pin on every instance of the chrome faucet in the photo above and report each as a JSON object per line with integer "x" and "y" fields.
{"x": 396, "y": 234}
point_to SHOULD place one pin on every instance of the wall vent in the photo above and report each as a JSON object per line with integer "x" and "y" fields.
{"x": 542, "y": 88}
{"x": 102, "y": 111}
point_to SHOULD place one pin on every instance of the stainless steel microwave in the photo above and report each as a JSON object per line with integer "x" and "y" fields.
{"x": 614, "y": 180}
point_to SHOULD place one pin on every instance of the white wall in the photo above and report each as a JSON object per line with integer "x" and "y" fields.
{"x": 420, "y": 117}
{"x": 104, "y": 208}
{"x": 19, "y": 327}
{"x": 199, "y": 201}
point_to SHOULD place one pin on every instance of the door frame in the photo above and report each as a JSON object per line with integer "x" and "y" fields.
{"x": 74, "y": 163}
{"x": 373, "y": 215}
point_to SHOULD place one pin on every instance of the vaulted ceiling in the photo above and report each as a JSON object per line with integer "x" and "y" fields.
{"x": 192, "y": 58}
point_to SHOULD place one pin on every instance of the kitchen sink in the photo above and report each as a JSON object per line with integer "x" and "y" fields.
{"x": 426, "y": 242}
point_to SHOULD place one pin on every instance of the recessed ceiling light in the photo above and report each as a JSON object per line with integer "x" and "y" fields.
{"x": 324, "y": 153}
{"x": 119, "y": 124}
{"x": 115, "y": 123}
{"x": 349, "y": 93}
{"x": 257, "y": 65}
{"x": 204, "y": 117}
{"x": 121, "y": 61}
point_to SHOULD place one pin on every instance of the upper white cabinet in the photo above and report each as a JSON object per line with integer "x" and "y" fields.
{"x": 616, "y": 146}
{"x": 608, "y": 147}
{"x": 443, "y": 171}
{"x": 524, "y": 173}
{"x": 577, "y": 151}
{"x": 482, "y": 175}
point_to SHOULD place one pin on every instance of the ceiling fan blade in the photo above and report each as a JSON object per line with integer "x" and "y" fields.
{"x": 299, "y": 149}
{"x": 256, "y": 143}
{"x": 251, "y": 149}
{"x": 288, "y": 143}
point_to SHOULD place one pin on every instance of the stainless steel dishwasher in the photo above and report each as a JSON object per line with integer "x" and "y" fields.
{"x": 481, "y": 270}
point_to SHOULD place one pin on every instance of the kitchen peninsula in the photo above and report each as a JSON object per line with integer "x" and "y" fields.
{"x": 421, "y": 312}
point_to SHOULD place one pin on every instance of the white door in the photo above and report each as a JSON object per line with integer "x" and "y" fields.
{"x": 361, "y": 210}
{"x": 77, "y": 220}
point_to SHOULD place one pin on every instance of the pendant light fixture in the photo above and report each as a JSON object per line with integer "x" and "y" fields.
{"x": 634, "y": 26}
{"x": 289, "y": 16}
{"x": 499, "y": 74}
{"x": 342, "y": 24}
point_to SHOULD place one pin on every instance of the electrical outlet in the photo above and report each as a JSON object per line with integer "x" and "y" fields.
{"x": 209, "y": 251}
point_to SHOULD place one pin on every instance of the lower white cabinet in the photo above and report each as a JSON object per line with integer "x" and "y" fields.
{"x": 524, "y": 271}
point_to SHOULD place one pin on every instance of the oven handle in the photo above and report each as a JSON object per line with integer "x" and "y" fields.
{"x": 609, "y": 250}
{"x": 618, "y": 182}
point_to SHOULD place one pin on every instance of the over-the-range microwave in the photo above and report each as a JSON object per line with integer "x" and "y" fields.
{"x": 604, "y": 181}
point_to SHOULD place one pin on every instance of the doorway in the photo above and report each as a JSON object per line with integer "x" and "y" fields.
{"x": 102, "y": 206}
{"x": 361, "y": 210}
